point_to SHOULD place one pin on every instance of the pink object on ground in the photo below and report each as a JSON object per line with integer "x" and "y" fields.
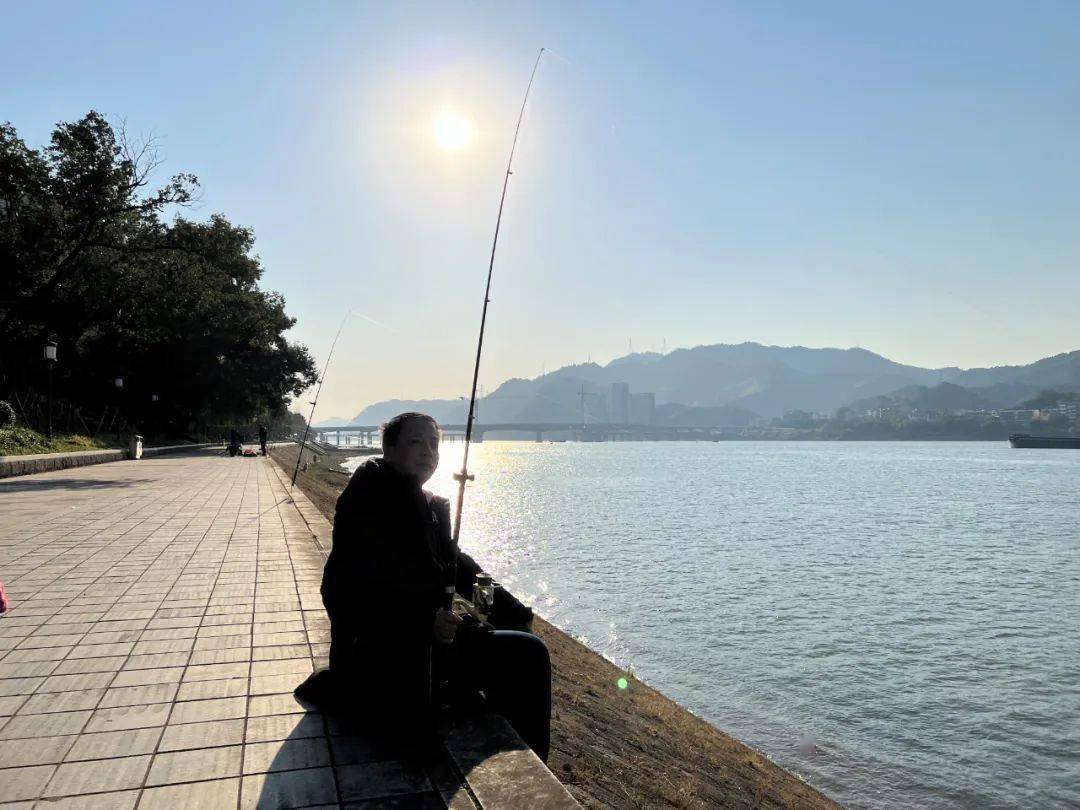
{"x": 3, "y": 599}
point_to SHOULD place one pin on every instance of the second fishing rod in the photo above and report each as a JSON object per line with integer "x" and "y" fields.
{"x": 464, "y": 476}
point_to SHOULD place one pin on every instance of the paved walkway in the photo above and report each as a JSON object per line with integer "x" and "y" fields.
{"x": 163, "y": 611}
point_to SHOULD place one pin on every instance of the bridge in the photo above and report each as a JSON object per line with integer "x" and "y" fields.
{"x": 595, "y": 432}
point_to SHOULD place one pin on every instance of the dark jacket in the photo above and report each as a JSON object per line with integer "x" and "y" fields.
{"x": 388, "y": 567}
{"x": 389, "y": 554}
{"x": 385, "y": 579}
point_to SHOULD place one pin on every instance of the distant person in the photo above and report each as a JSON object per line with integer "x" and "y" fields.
{"x": 391, "y": 639}
{"x": 262, "y": 439}
{"x": 236, "y": 444}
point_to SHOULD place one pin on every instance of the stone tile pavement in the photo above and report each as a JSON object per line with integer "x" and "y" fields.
{"x": 163, "y": 611}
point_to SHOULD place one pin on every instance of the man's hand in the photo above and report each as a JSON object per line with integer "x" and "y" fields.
{"x": 446, "y": 624}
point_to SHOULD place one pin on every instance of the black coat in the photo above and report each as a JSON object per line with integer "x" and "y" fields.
{"x": 389, "y": 564}
{"x": 390, "y": 552}
{"x": 384, "y": 581}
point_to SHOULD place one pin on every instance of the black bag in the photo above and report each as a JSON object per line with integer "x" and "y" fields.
{"x": 508, "y": 613}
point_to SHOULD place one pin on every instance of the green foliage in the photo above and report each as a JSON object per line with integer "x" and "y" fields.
{"x": 175, "y": 309}
{"x": 19, "y": 441}
{"x": 7, "y": 414}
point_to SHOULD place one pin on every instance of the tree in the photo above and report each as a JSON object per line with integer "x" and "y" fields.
{"x": 174, "y": 309}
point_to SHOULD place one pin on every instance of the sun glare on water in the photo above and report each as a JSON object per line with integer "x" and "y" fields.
{"x": 451, "y": 130}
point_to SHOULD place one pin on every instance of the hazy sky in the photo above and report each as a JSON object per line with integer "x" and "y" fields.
{"x": 899, "y": 176}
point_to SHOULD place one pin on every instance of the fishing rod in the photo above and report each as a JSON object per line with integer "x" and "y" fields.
{"x": 465, "y": 476}
{"x": 315, "y": 401}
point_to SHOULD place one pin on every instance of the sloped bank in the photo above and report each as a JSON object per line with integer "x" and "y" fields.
{"x": 628, "y": 747}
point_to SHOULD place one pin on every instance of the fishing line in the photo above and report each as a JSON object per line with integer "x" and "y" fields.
{"x": 314, "y": 402}
{"x": 379, "y": 324}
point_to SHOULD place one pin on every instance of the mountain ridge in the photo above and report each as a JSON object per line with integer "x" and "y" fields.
{"x": 726, "y": 381}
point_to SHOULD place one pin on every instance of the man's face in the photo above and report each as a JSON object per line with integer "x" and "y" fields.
{"x": 416, "y": 453}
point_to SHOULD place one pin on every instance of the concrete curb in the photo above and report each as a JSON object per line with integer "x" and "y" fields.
{"x": 49, "y": 462}
{"x": 322, "y": 530}
{"x": 177, "y": 448}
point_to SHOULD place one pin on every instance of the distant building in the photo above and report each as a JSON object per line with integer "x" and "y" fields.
{"x": 1070, "y": 409}
{"x": 886, "y": 414}
{"x": 797, "y": 418}
{"x": 642, "y": 408}
{"x": 1019, "y": 415}
{"x": 925, "y": 415}
{"x": 620, "y": 403}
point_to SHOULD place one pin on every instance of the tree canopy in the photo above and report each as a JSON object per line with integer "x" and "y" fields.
{"x": 174, "y": 308}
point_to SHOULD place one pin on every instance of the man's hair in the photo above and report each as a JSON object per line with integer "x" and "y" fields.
{"x": 391, "y": 429}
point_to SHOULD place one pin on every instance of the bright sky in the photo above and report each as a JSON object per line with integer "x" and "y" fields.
{"x": 899, "y": 176}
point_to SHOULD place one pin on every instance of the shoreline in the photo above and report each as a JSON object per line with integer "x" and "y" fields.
{"x": 815, "y": 438}
{"x": 630, "y": 747}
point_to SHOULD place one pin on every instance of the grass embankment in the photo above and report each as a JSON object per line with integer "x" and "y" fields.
{"x": 616, "y": 747}
{"x": 323, "y": 480}
{"x": 20, "y": 441}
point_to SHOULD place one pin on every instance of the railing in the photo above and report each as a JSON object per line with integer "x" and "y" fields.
{"x": 32, "y": 408}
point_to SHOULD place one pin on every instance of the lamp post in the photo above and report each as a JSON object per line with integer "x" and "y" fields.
{"x": 118, "y": 383}
{"x": 476, "y": 410}
{"x": 50, "y": 360}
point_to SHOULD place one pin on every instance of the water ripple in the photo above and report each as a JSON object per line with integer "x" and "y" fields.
{"x": 897, "y": 623}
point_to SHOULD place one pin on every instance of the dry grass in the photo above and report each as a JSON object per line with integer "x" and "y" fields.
{"x": 321, "y": 480}
{"x": 634, "y": 747}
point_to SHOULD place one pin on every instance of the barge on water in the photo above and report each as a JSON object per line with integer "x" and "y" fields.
{"x": 1054, "y": 442}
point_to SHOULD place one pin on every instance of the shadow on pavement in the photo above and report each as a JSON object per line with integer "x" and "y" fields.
{"x": 330, "y": 760}
{"x": 19, "y": 484}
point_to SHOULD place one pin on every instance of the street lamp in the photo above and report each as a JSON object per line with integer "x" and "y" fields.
{"x": 154, "y": 416}
{"x": 476, "y": 410}
{"x": 50, "y": 359}
{"x": 118, "y": 383}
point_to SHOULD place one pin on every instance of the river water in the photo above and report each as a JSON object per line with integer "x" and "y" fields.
{"x": 898, "y": 623}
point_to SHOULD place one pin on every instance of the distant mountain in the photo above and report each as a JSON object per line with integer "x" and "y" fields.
{"x": 330, "y": 421}
{"x": 1006, "y": 395}
{"x": 636, "y": 357}
{"x": 1058, "y": 372}
{"x": 1050, "y": 399}
{"x": 1009, "y": 386}
{"x": 750, "y": 377}
{"x": 449, "y": 411}
{"x": 941, "y": 397}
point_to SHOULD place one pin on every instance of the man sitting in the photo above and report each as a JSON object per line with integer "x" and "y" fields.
{"x": 391, "y": 637}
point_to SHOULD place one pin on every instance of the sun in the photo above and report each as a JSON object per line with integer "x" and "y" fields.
{"x": 452, "y": 130}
